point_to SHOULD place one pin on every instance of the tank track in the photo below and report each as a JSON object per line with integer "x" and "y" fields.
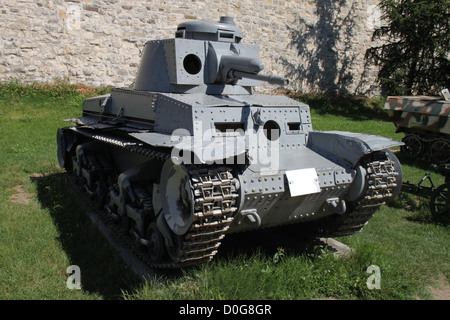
{"x": 381, "y": 182}
{"x": 214, "y": 209}
{"x": 215, "y": 204}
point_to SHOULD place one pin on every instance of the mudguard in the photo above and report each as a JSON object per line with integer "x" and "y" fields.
{"x": 211, "y": 150}
{"x": 348, "y": 146}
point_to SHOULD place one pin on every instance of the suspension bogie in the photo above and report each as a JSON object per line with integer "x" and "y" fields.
{"x": 125, "y": 196}
{"x": 178, "y": 213}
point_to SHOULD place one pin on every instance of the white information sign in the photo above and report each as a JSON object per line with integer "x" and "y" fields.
{"x": 303, "y": 181}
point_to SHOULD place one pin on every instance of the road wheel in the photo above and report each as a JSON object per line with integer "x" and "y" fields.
{"x": 440, "y": 151}
{"x": 413, "y": 146}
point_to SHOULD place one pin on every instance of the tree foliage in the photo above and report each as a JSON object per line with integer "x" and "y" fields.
{"x": 414, "y": 56}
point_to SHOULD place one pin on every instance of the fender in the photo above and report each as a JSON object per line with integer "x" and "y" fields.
{"x": 211, "y": 150}
{"x": 348, "y": 146}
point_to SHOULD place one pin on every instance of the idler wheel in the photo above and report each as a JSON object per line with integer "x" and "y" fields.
{"x": 177, "y": 197}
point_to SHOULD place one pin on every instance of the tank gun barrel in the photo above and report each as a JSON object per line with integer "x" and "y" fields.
{"x": 245, "y": 64}
{"x": 262, "y": 77}
{"x": 234, "y": 68}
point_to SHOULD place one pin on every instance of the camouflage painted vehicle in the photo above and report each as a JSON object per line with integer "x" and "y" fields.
{"x": 425, "y": 121}
{"x": 190, "y": 154}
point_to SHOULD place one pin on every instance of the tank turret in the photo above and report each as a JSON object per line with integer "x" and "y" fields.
{"x": 190, "y": 154}
{"x": 204, "y": 57}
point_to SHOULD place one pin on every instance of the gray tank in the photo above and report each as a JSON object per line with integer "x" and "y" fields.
{"x": 190, "y": 154}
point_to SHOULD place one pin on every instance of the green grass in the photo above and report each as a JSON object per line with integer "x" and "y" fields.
{"x": 44, "y": 229}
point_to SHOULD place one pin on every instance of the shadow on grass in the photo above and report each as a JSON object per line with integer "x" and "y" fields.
{"x": 295, "y": 239}
{"x": 102, "y": 270}
{"x": 419, "y": 163}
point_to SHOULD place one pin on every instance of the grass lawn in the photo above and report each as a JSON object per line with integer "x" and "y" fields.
{"x": 44, "y": 229}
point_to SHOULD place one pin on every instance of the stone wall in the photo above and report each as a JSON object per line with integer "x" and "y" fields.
{"x": 319, "y": 45}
